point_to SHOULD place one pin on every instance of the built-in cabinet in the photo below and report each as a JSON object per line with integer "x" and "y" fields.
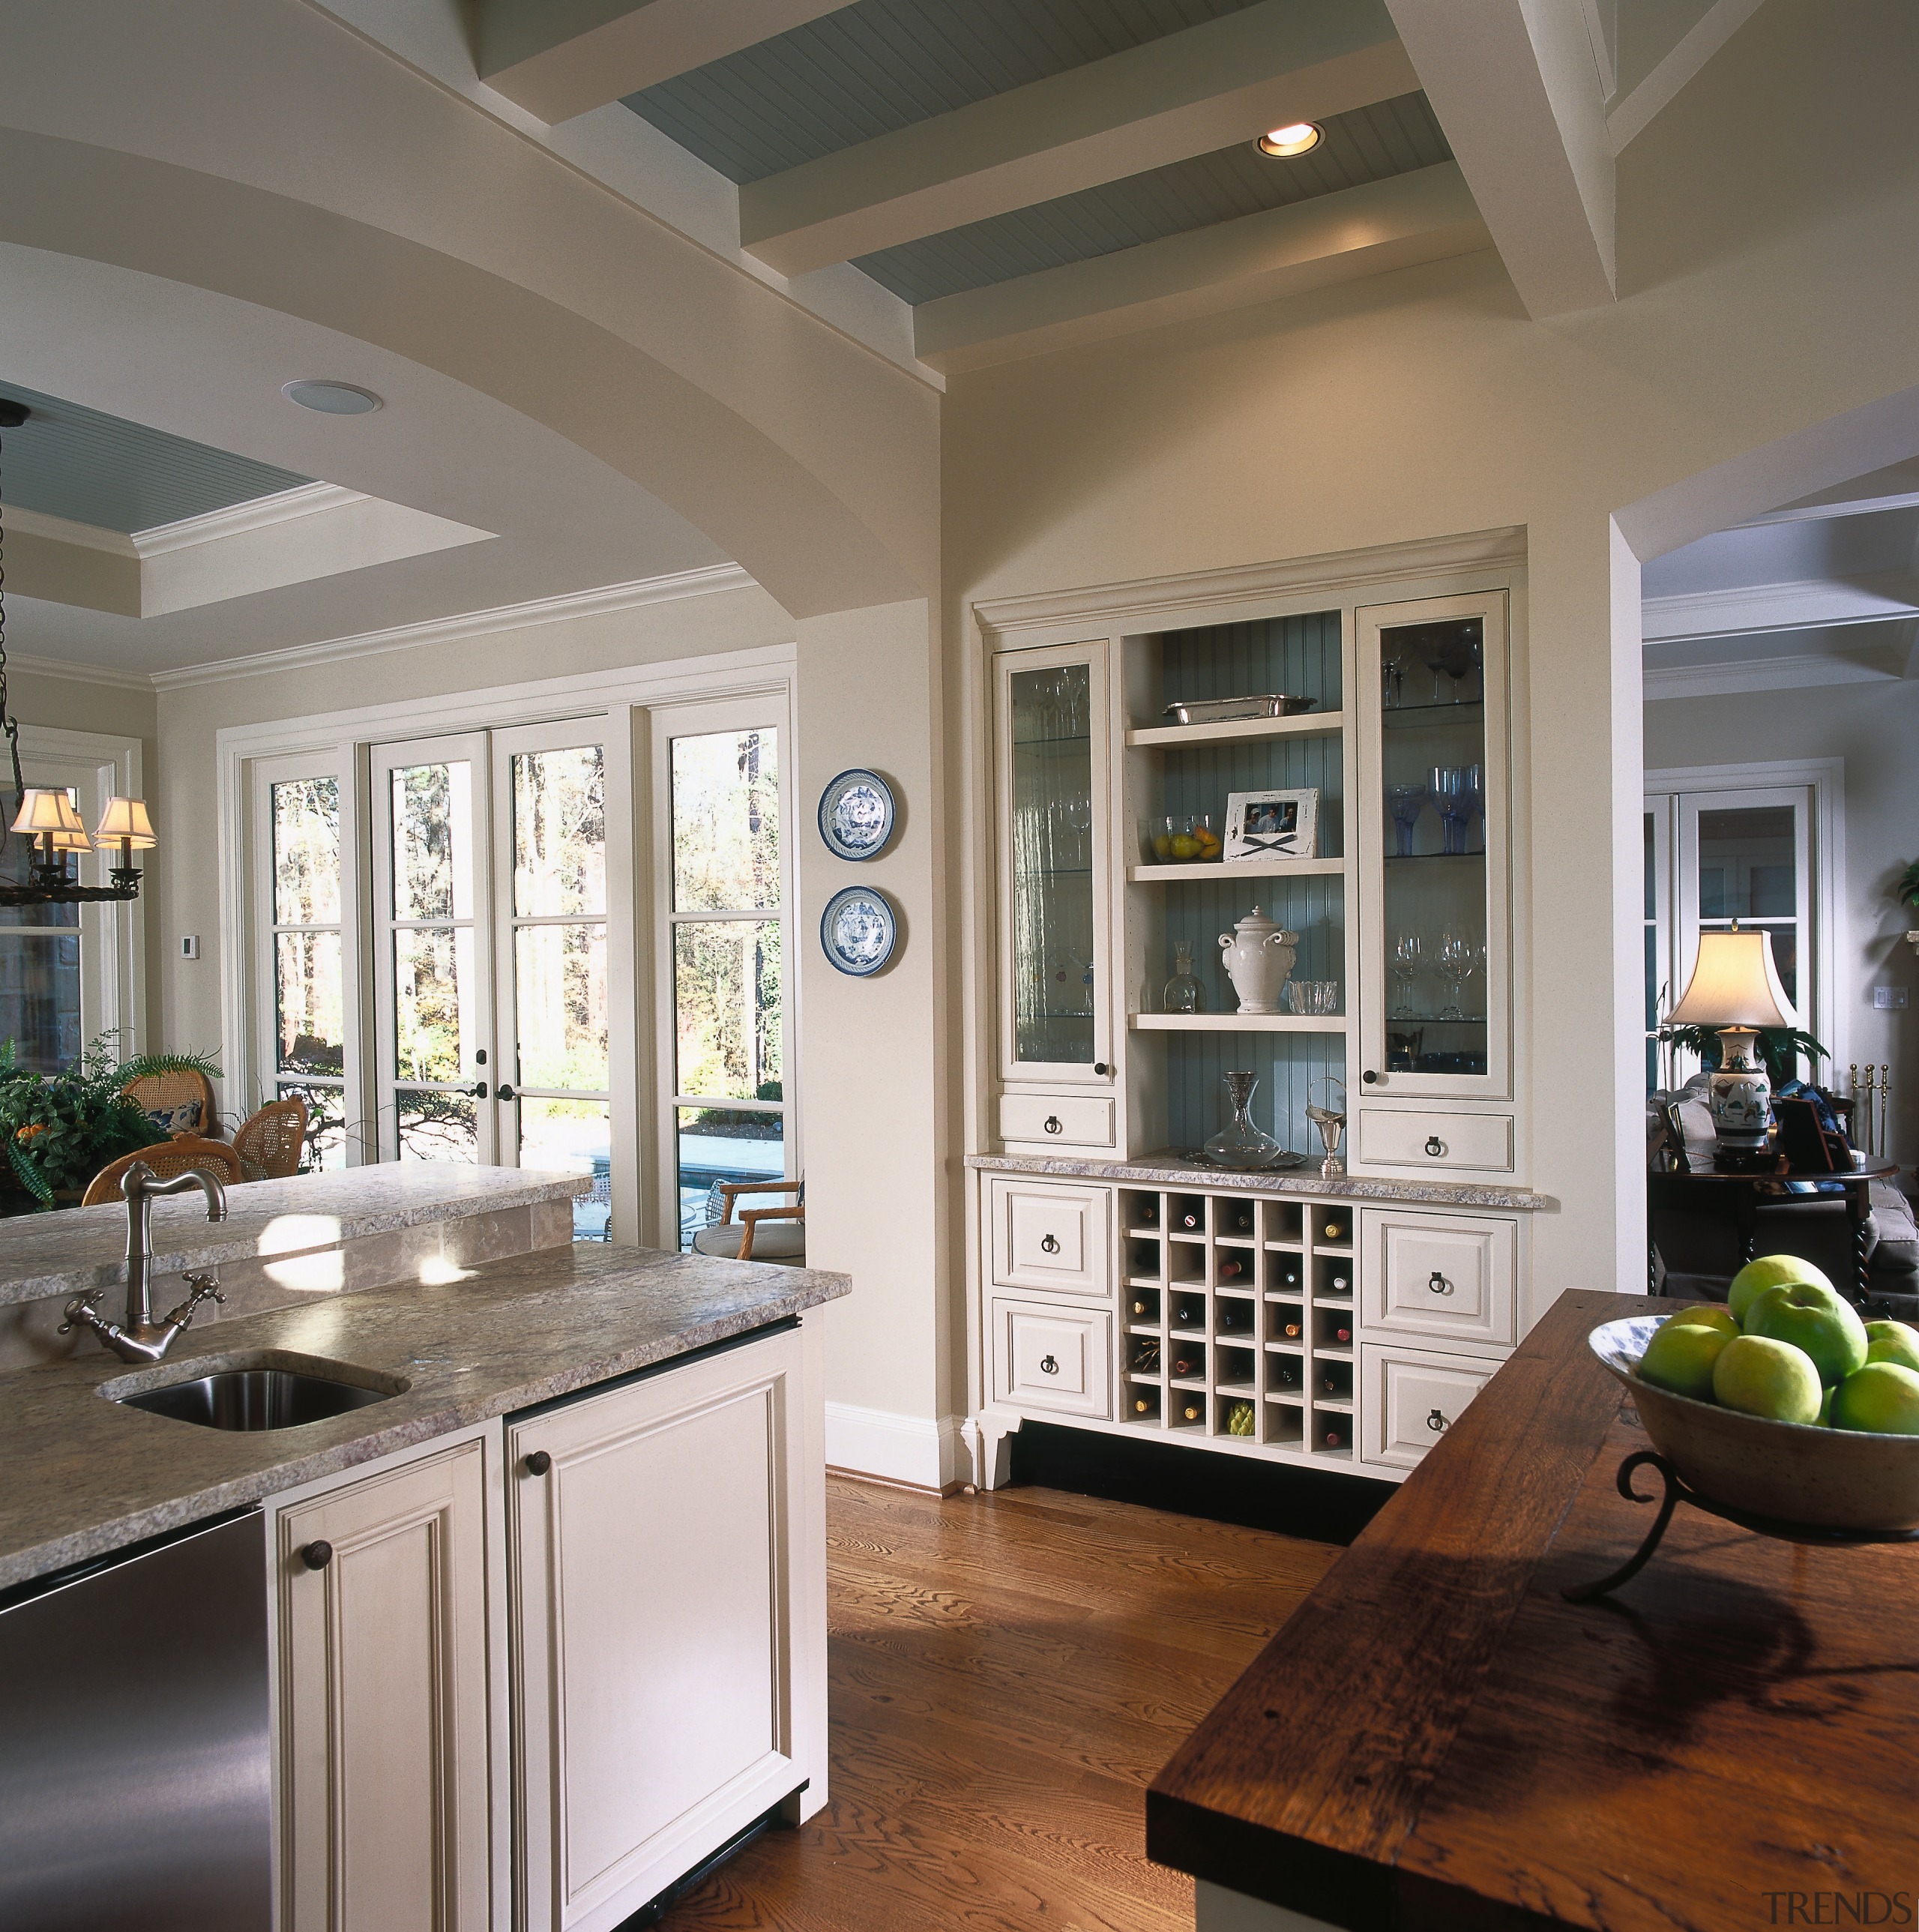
{"x": 528, "y": 1676}
{"x": 1229, "y": 1331}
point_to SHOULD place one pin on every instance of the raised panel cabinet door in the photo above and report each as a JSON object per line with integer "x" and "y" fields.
{"x": 384, "y": 1777}
{"x": 1054, "y": 1358}
{"x": 1049, "y": 1236}
{"x": 1412, "y": 1399}
{"x": 1439, "y": 1275}
{"x": 667, "y": 1570}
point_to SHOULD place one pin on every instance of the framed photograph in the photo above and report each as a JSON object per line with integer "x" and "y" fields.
{"x": 1272, "y": 825}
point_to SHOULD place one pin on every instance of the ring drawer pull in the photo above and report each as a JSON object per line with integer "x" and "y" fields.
{"x": 1434, "y": 1146}
{"x": 1437, "y": 1423}
{"x": 1048, "y": 1366}
{"x": 1053, "y": 1126}
{"x": 1049, "y": 1244}
{"x": 1438, "y": 1284}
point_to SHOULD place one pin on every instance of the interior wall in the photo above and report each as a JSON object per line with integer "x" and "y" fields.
{"x": 1874, "y": 728}
{"x": 1425, "y": 402}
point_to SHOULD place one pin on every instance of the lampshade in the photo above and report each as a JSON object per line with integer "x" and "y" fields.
{"x": 127, "y": 818}
{"x": 45, "y": 811}
{"x": 1734, "y": 983}
{"x": 70, "y": 841}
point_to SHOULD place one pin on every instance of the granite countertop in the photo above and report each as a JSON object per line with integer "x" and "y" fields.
{"x": 86, "y": 1475}
{"x": 1170, "y": 1166}
{"x": 78, "y": 1249}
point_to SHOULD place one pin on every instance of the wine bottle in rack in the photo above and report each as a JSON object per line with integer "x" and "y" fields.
{"x": 1189, "y": 1314}
{"x": 1148, "y": 1216}
{"x": 1286, "y": 1375}
{"x": 1333, "y": 1439}
{"x": 1142, "y": 1405}
{"x": 1192, "y": 1411}
{"x": 1333, "y": 1230}
{"x": 1242, "y": 1219}
{"x": 1230, "y": 1268}
{"x": 1188, "y": 1365}
{"x": 1342, "y": 1337}
{"x": 1288, "y": 1277}
{"x": 1192, "y": 1220}
{"x": 1292, "y": 1331}
{"x": 1230, "y": 1319}
{"x": 1340, "y": 1286}
{"x": 1141, "y": 1305}
{"x": 1327, "y": 1386}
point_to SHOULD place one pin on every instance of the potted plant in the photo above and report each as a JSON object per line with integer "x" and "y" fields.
{"x": 60, "y": 1130}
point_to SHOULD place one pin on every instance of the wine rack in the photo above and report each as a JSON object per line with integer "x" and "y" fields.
{"x": 1239, "y": 1322}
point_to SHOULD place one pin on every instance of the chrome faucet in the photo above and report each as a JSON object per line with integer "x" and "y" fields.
{"x": 139, "y": 1338}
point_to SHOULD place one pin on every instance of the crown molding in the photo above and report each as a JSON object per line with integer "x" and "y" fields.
{"x": 65, "y": 530}
{"x": 608, "y": 600}
{"x": 1751, "y": 608}
{"x": 78, "y": 674}
{"x": 1801, "y": 672}
{"x": 1152, "y": 602}
{"x": 261, "y": 513}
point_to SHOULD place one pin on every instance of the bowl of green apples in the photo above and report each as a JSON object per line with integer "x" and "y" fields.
{"x": 1780, "y": 1401}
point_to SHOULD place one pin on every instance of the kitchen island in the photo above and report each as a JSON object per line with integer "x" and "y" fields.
{"x": 1437, "y": 1739}
{"x": 571, "y": 1546}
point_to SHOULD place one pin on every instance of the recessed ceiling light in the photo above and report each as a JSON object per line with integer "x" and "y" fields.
{"x": 1284, "y": 143}
{"x": 332, "y": 399}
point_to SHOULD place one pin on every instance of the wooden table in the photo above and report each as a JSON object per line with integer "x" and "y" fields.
{"x": 1436, "y": 1739}
{"x": 1742, "y": 1195}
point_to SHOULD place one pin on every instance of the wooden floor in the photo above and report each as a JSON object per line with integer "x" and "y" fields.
{"x": 1008, "y": 1672}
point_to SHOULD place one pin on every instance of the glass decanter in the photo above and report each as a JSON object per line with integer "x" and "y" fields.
{"x": 1240, "y": 1144}
{"x": 1184, "y": 993}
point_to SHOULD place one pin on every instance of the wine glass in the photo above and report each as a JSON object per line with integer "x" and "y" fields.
{"x": 1406, "y": 802}
{"x": 1475, "y": 796}
{"x": 1406, "y": 966}
{"x": 1448, "y": 788}
{"x": 1456, "y": 966}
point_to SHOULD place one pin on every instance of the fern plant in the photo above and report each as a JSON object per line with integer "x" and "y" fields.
{"x": 1907, "y": 891}
{"x": 1779, "y": 1046}
{"x": 60, "y": 1130}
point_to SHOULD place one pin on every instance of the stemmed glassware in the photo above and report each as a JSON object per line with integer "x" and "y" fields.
{"x": 1406, "y": 970}
{"x": 1475, "y": 795}
{"x": 1457, "y": 962}
{"x": 1448, "y": 788}
{"x": 1406, "y": 802}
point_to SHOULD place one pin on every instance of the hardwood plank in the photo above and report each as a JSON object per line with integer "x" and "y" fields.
{"x": 1007, "y": 1673}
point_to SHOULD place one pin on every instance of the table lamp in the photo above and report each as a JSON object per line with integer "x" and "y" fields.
{"x": 1735, "y": 989}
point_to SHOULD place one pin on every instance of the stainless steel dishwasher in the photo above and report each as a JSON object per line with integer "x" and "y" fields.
{"x": 134, "y": 1771}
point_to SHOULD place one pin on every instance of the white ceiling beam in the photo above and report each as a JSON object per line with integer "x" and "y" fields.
{"x": 560, "y": 58}
{"x": 1634, "y": 110}
{"x": 1421, "y": 217}
{"x": 1894, "y": 487}
{"x": 1891, "y": 596}
{"x": 1188, "y": 94}
{"x": 1516, "y": 88}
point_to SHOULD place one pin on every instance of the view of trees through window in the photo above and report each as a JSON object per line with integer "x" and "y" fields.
{"x": 40, "y": 973}
{"x": 308, "y": 1006}
{"x": 728, "y": 1007}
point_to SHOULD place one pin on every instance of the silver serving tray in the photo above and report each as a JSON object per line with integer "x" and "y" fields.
{"x": 1231, "y": 710}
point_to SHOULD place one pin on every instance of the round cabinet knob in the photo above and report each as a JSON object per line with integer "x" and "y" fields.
{"x": 316, "y": 1556}
{"x": 1434, "y": 1146}
{"x": 1047, "y": 1365}
{"x": 537, "y": 1462}
{"x": 1050, "y": 1243}
{"x": 1369, "y": 1077}
{"x": 1438, "y": 1284}
{"x": 1100, "y": 1067}
{"x": 1052, "y": 1124}
{"x": 1437, "y": 1423}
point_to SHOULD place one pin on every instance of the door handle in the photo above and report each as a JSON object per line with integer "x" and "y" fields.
{"x": 1438, "y": 1284}
{"x": 478, "y": 1090}
{"x": 1052, "y": 1124}
{"x": 1437, "y": 1422}
{"x": 1047, "y": 1365}
{"x": 506, "y": 1093}
{"x": 1049, "y": 1244}
{"x": 1434, "y": 1146}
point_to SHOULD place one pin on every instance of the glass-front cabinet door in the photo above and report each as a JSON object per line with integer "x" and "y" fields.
{"x": 1435, "y": 1003}
{"x": 1055, "y": 1003}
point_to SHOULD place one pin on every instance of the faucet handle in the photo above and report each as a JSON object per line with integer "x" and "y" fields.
{"x": 201, "y": 1288}
{"x": 78, "y": 1310}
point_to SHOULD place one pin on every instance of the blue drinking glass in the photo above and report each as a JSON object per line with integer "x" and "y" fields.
{"x": 1406, "y": 802}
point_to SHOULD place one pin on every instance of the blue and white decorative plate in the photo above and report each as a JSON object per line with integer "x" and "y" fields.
{"x": 856, "y": 931}
{"x": 856, "y": 814}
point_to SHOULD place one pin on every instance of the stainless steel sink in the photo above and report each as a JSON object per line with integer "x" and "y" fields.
{"x": 255, "y": 1398}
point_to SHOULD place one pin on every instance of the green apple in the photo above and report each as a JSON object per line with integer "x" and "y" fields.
{"x": 1825, "y": 1407}
{"x": 1759, "y": 1376}
{"x": 1768, "y": 1271}
{"x": 1706, "y": 1314}
{"x": 1815, "y": 1319}
{"x": 1680, "y": 1356}
{"x": 1892, "y": 1342}
{"x": 1882, "y": 1399}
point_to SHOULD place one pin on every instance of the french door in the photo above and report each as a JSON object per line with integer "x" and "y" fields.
{"x": 494, "y": 853}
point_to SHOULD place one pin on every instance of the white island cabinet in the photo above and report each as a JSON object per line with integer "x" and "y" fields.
{"x": 531, "y": 1674}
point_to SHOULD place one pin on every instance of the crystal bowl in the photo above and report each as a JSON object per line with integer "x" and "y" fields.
{"x": 1796, "y": 1472}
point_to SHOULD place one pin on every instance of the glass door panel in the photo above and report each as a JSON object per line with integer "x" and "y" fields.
{"x": 1433, "y": 848}
{"x": 1744, "y": 860}
{"x": 1052, "y": 722}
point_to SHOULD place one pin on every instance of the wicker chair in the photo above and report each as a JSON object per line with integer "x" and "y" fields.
{"x": 180, "y": 1103}
{"x": 182, "y": 1153}
{"x": 270, "y": 1142}
{"x": 744, "y": 1240}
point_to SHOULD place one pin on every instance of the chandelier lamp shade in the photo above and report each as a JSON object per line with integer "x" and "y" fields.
{"x": 47, "y": 814}
{"x": 1735, "y": 989}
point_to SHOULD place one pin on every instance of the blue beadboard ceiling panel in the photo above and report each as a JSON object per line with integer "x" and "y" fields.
{"x": 67, "y": 460}
{"x": 878, "y": 65}
{"x": 1390, "y": 137}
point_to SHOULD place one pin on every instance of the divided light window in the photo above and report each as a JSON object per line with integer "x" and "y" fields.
{"x": 309, "y": 1025}
{"x": 726, "y": 917}
{"x": 40, "y": 971}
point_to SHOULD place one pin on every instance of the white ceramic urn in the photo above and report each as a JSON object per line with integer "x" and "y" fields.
{"x": 1258, "y": 956}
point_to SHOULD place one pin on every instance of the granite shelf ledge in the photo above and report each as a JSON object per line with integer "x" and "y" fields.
{"x": 87, "y": 1475}
{"x": 1171, "y": 1169}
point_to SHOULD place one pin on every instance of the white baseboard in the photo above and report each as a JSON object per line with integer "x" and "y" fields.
{"x": 912, "y": 1449}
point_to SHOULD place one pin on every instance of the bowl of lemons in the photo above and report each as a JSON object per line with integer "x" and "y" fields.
{"x": 1780, "y": 1401}
{"x": 1187, "y": 839}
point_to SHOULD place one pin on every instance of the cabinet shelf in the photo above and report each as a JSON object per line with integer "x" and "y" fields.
{"x": 1434, "y": 858}
{"x": 1424, "y": 717}
{"x": 1322, "y": 1023}
{"x": 1238, "y": 868}
{"x": 1301, "y": 724}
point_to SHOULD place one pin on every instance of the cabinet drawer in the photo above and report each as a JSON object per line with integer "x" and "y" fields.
{"x": 1049, "y": 1236}
{"x": 1052, "y": 1358}
{"x": 1055, "y": 1120}
{"x": 1412, "y": 1399}
{"x": 1438, "y": 1274}
{"x": 1482, "y": 1141}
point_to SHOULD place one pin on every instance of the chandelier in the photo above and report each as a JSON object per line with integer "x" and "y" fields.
{"x": 50, "y": 816}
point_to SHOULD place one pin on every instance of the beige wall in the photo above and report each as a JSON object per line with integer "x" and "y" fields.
{"x": 1763, "y": 302}
{"x": 1875, "y": 728}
